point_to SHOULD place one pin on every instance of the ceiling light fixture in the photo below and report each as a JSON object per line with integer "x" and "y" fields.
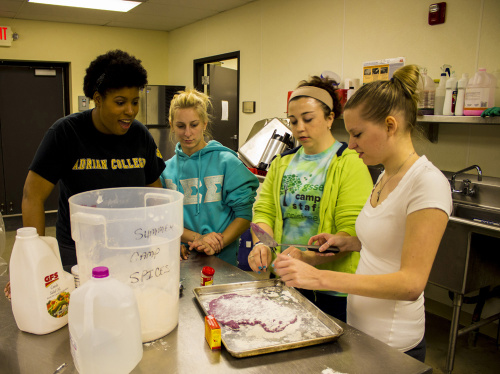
{"x": 113, "y": 5}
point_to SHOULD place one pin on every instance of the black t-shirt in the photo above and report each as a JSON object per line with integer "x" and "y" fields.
{"x": 81, "y": 158}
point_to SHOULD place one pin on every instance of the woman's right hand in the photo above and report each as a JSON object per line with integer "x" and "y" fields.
{"x": 260, "y": 258}
{"x": 342, "y": 242}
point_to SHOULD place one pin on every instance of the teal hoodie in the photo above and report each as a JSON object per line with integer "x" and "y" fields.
{"x": 217, "y": 188}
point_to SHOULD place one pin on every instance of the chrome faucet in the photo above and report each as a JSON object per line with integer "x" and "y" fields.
{"x": 468, "y": 189}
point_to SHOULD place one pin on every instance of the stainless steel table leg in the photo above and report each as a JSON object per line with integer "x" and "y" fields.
{"x": 452, "y": 343}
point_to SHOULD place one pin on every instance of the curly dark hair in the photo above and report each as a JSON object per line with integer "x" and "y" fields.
{"x": 114, "y": 70}
{"x": 328, "y": 85}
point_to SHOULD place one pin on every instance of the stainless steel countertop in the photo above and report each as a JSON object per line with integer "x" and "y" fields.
{"x": 185, "y": 350}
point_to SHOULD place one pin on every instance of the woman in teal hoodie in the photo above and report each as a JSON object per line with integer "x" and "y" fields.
{"x": 218, "y": 189}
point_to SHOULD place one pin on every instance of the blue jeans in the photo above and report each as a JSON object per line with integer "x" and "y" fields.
{"x": 418, "y": 352}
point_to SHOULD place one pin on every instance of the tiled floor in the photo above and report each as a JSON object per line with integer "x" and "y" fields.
{"x": 484, "y": 358}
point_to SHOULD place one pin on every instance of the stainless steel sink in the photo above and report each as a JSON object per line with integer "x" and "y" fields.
{"x": 476, "y": 214}
{"x": 468, "y": 258}
{"x": 469, "y": 254}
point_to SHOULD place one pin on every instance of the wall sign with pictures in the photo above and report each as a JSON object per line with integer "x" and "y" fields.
{"x": 381, "y": 69}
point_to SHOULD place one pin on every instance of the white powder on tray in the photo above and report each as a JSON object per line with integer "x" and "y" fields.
{"x": 331, "y": 371}
{"x": 266, "y": 317}
{"x": 233, "y": 310}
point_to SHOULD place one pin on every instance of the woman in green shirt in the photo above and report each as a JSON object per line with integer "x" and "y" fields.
{"x": 319, "y": 186}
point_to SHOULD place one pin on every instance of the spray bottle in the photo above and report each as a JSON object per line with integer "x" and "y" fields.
{"x": 441, "y": 90}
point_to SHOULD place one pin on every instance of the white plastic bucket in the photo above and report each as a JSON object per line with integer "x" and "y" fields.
{"x": 135, "y": 232}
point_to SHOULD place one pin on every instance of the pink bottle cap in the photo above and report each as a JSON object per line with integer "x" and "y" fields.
{"x": 100, "y": 272}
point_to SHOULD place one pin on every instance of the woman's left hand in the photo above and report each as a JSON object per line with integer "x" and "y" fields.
{"x": 211, "y": 243}
{"x": 296, "y": 273}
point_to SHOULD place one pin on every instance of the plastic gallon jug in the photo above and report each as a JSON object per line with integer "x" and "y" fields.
{"x": 104, "y": 326}
{"x": 480, "y": 93}
{"x": 40, "y": 288}
{"x": 427, "y": 95}
{"x": 135, "y": 232}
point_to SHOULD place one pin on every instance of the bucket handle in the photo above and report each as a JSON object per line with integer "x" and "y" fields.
{"x": 154, "y": 195}
{"x": 87, "y": 219}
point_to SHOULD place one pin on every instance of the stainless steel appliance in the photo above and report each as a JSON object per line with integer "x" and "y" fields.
{"x": 153, "y": 113}
{"x": 267, "y": 138}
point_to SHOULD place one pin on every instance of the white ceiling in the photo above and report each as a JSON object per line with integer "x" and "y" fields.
{"x": 164, "y": 15}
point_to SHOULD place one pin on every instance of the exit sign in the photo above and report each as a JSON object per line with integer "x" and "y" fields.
{"x": 5, "y": 36}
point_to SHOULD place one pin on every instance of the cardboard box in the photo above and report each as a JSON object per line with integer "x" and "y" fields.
{"x": 212, "y": 332}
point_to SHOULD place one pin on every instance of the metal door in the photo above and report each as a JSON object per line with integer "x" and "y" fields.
{"x": 29, "y": 104}
{"x": 223, "y": 91}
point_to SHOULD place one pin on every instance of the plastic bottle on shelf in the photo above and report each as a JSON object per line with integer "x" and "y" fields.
{"x": 40, "y": 288}
{"x": 104, "y": 326}
{"x": 440, "y": 94}
{"x": 350, "y": 92}
{"x": 450, "y": 96}
{"x": 461, "y": 85}
{"x": 427, "y": 93}
{"x": 480, "y": 93}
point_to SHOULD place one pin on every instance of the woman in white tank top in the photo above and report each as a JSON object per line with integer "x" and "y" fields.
{"x": 400, "y": 227}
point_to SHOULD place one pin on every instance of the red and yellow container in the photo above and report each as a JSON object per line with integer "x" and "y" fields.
{"x": 212, "y": 332}
{"x": 207, "y": 276}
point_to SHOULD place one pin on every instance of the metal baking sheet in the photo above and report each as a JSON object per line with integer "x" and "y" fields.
{"x": 312, "y": 325}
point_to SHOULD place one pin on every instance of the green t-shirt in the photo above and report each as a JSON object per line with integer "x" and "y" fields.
{"x": 301, "y": 192}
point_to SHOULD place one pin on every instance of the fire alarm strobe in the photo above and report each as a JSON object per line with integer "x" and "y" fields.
{"x": 437, "y": 13}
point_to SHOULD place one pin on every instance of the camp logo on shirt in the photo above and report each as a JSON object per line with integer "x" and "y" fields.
{"x": 192, "y": 186}
{"x": 295, "y": 194}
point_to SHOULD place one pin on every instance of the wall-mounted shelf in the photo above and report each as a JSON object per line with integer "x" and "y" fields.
{"x": 431, "y": 123}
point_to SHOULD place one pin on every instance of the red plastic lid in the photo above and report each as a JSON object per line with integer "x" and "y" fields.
{"x": 207, "y": 270}
{"x": 100, "y": 272}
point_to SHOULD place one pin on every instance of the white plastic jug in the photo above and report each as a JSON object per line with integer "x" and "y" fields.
{"x": 40, "y": 289}
{"x": 104, "y": 326}
{"x": 480, "y": 93}
{"x": 135, "y": 232}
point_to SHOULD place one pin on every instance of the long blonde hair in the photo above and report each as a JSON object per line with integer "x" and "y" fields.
{"x": 380, "y": 99}
{"x": 191, "y": 99}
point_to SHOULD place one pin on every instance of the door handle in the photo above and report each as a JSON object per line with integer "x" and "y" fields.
{"x": 2, "y": 208}
{"x": 11, "y": 206}
{"x": 234, "y": 137}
